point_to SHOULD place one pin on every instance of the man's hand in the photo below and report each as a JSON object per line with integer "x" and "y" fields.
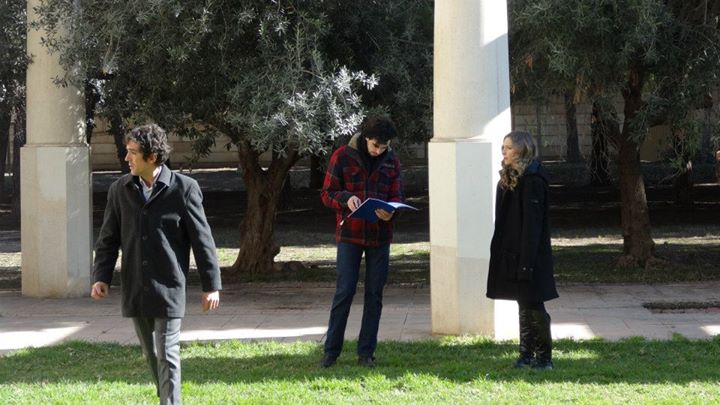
{"x": 210, "y": 300}
{"x": 99, "y": 290}
{"x": 384, "y": 215}
{"x": 353, "y": 203}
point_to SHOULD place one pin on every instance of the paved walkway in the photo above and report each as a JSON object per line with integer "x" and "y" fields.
{"x": 290, "y": 312}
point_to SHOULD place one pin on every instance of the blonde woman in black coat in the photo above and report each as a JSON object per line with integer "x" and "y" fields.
{"x": 521, "y": 264}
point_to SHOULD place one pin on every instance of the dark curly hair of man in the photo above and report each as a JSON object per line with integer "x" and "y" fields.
{"x": 152, "y": 139}
{"x": 378, "y": 127}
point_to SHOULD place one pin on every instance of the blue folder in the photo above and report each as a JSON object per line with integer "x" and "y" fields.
{"x": 366, "y": 210}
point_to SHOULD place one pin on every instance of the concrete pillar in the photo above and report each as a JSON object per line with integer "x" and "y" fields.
{"x": 56, "y": 227}
{"x": 471, "y": 116}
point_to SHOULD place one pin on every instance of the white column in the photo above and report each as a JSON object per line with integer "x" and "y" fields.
{"x": 56, "y": 198}
{"x": 471, "y": 116}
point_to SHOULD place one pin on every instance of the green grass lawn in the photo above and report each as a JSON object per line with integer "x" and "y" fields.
{"x": 443, "y": 371}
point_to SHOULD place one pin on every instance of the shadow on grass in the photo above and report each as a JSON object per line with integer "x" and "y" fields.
{"x": 460, "y": 360}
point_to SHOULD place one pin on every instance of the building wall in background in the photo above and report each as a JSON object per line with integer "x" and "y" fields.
{"x": 552, "y": 128}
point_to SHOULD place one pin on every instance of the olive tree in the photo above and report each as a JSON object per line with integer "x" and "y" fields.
{"x": 13, "y": 61}
{"x": 256, "y": 71}
{"x": 660, "y": 58}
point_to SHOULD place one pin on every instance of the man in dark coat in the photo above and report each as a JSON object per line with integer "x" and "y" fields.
{"x": 156, "y": 216}
{"x": 364, "y": 168}
{"x": 521, "y": 263}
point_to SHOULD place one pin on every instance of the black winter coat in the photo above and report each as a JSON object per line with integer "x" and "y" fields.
{"x": 521, "y": 263}
{"x": 156, "y": 237}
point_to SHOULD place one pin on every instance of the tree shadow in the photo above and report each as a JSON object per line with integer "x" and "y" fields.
{"x": 676, "y": 262}
{"x": 631, "y": 361}
{"x": 10, "y": 278}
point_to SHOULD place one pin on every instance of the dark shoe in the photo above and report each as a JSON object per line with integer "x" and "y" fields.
{"x": 327, "y": 361}
{"x": 524, "y": 361}
{"x": 368, "y": 362}
{"x": 543, "y": 365}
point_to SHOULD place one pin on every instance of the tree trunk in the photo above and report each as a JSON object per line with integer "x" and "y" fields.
{"x": 573, "y": 145}
{"x": 538, "y": 121}
{"x": 257, "y": 245}
{"x": 638, "y": 245}
{"x": 682, "y": 189}
{"x": 4, "y": 144}
{"x": 117, "y": 128}
{"x": 18, "y": 142}
{"x": 286, "y": 195}
{"x": 599, "y": 157}
{"x": 92, "y": 97}
{"x": 706, "y": 154}
{"x": 317, "y": 172}
{"x": 682, "y": 183}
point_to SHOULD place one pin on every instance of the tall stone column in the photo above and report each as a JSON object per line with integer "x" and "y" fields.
{"x": 471, "y": 116}
{"x": 56, "y": 199}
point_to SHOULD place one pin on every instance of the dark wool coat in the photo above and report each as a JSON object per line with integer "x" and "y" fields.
{"x": 521, "y": 263}
{"x": 155, "y": 237}
{"x": 347, "y": 176}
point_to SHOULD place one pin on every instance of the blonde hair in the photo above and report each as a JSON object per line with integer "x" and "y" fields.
{"x": 525, "y": 145}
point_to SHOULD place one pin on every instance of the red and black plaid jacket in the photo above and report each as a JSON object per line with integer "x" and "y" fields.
{"x": 347, "y": 176}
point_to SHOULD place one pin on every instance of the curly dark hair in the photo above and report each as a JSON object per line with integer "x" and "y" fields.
{"x": 152, "y": 139}
{"x": 378, "y": 127}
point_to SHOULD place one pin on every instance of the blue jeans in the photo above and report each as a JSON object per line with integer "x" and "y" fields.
{"x": 377, "y": 261}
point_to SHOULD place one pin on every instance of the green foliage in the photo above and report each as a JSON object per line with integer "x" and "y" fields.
{"x": 472, "y": 370}
{"x": 267, "y": 72}
{"x": 394, "y": 39}
{"x": 600, "y": 49}
{"x": 256, "y": 71}
{"x": 13, "y": 57}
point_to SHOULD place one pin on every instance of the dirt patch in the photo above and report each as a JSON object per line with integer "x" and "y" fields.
{"x": 682, "y": 307}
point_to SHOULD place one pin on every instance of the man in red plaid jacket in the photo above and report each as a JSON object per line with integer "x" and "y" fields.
{"x": 364, "y": 168}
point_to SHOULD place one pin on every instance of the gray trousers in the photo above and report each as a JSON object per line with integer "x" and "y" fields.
{"x": 162, "y": 352}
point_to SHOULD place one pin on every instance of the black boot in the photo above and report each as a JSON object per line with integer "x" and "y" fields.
{"x": 527, "y": 340}
{"x": 543, "y": 342}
